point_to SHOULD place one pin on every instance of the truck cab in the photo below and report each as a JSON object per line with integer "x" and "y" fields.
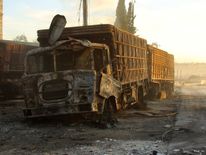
{"x": 71, "y": 76}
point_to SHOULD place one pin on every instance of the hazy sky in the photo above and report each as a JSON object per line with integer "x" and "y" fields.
{"x": 178, "y": 26}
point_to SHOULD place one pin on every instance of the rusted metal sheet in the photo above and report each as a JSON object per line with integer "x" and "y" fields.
{"x": 127, "y": 52}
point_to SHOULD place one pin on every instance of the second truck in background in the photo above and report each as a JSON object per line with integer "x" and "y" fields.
{"x": 161, "y": 73}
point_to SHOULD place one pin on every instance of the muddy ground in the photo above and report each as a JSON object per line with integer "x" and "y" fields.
{"x": 157, "y": 130}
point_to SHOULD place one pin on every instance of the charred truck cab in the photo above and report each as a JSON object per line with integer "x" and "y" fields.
{"x": 104, "y": 69}
{"x": 71, "y": 76}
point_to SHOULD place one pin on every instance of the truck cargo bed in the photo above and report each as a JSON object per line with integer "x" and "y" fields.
{"x": 160, "y": 64}
{"x": 127, "y": 52}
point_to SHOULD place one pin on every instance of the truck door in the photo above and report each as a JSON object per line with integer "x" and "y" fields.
{"x": 108, "y": 85}
{"x": 100, "y": 61}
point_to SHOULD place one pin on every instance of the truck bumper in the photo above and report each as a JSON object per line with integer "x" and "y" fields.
{"x": 57, "y": 110}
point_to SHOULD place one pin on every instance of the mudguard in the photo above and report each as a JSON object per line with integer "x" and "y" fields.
{"x": 109, "y": 86}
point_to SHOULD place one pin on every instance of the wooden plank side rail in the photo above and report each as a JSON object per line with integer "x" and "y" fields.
{"x": 161, "y": 64}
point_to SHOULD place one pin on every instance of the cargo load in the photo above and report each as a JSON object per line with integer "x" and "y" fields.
{"x": 161, "y": 71}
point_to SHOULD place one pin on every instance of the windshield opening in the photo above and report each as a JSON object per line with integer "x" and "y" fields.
{"x": 101, "y": 60}
{"x": 61, "y": 59}
{"x": 40, "y": 63}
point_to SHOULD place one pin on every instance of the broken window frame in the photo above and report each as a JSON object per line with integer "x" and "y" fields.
{"x": 75, "y": 48}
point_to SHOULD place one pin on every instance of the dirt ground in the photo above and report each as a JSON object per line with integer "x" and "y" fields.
{"x": 155, "y": 131}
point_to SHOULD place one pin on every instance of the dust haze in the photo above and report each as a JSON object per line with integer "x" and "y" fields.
{"x": 190, "y": 78}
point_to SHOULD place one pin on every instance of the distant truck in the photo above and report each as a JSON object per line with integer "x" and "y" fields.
{"x": 12, "y": 55}
{"x": 161, "y": 73}
{"x": 97, "y": 68}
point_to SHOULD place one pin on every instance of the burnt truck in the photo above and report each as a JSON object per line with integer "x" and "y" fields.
{"x": 161, "y": 73}
{"x": 12, "y": 54}
{"x": 94, "y": 68}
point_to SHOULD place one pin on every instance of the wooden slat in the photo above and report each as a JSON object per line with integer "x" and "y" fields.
{"x": 162, "y": 64}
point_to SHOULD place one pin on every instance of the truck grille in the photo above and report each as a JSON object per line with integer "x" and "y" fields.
{"x": 55, "y": 89}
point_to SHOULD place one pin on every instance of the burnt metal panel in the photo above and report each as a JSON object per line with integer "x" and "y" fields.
{"x": 109, "y": 87}
{"x": 73, "y": 92}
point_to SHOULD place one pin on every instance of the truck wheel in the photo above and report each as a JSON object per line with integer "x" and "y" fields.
{"x": 108, "y": 119}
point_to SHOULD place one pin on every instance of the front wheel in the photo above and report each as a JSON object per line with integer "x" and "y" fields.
{"x": 108, "y": 118}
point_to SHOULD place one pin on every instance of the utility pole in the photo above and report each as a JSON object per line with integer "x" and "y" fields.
{"x": 85, "y": 13}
